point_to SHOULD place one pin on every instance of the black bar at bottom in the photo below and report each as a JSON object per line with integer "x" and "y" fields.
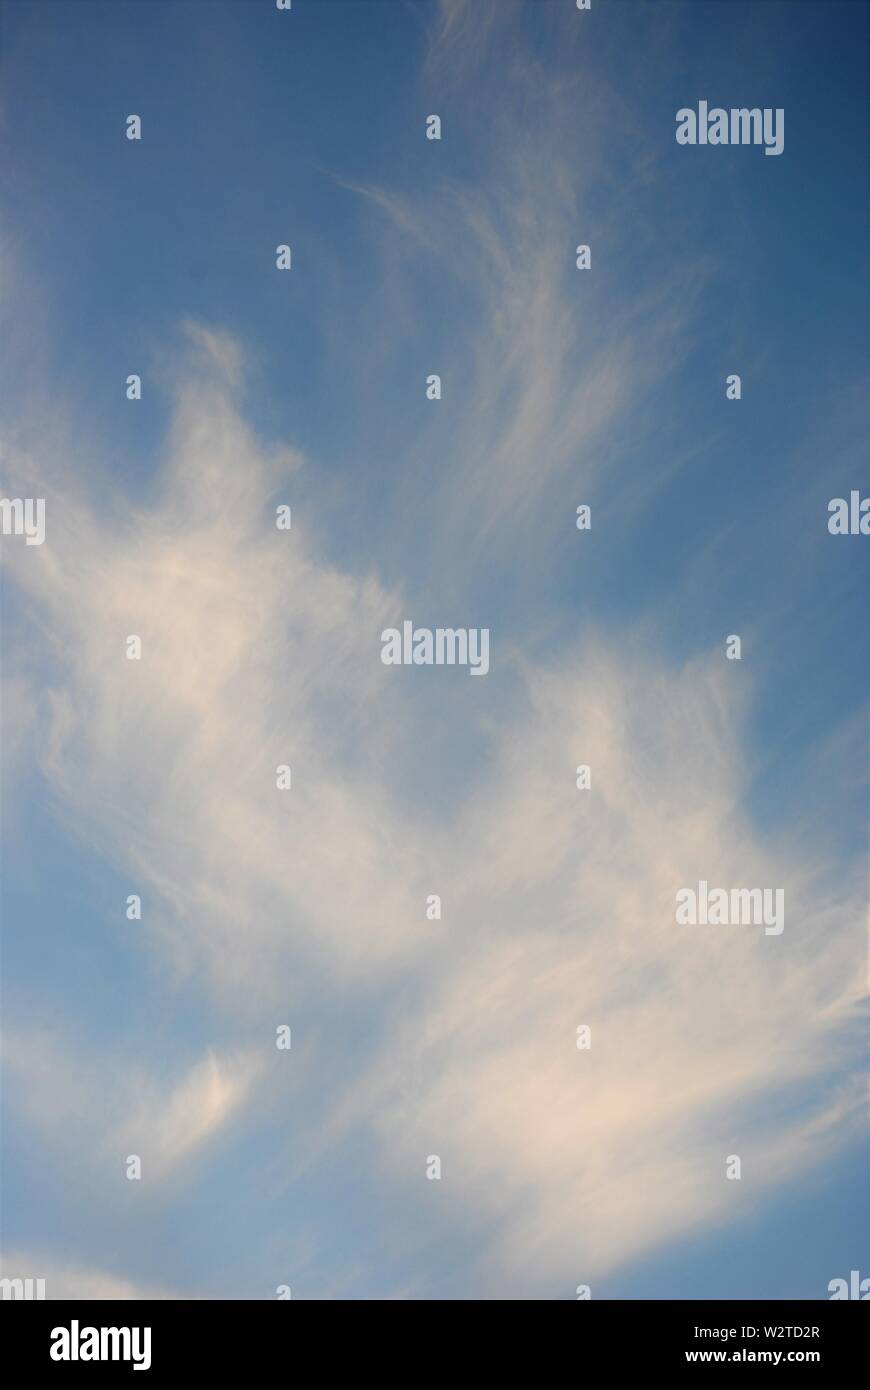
{"x": 160, "y": 1339}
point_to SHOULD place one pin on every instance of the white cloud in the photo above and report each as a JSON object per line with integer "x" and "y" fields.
{"x": 558, "y": 903}
{"x": 65, "y": 1279}
{"x": 254, "y": 655}
{"x": 96, "y": 1109}
{"x": 561, "y": 913}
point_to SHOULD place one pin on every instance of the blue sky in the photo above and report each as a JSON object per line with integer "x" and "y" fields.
{"x": 560, "y": 387}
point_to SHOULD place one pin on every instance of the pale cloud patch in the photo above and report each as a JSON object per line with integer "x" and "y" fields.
{"x": 560, "y": 903}
{"x": 218, "y": 347}
{"x": 168, "y": 1129}
{"x": 562, "y": 914}
{"x": 459, "y": 36}
{"x": 549, "y": 365}
{"x": 255, "y": 655}
{"x": 67, "y": 1279}
{"x": 99, "y": 1110}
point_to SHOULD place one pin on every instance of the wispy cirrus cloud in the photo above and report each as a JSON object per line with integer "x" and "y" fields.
{"x": 66, "y": 1279}
{"x": 97, "y": 1109}
{"x": 560, "y": 913}
{"x": 261, "y": 648}
{"x": 558, "y": 904}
